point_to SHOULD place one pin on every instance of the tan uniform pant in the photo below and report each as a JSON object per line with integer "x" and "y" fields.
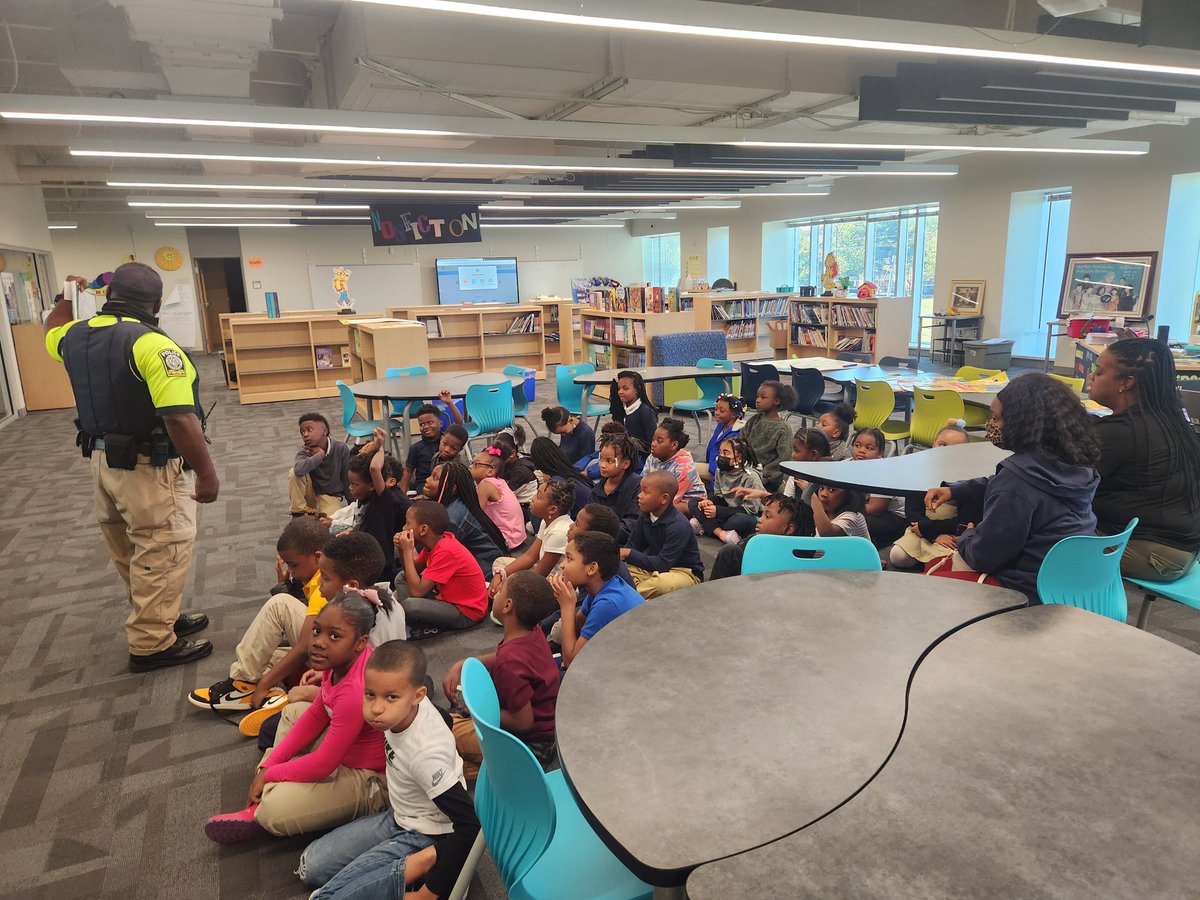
{"x": 655, "y": 584}
{"x": 280, "y": 618}
{"x": 148, "y": 519}
{"x": 466, "y": 741}
{"x": 303, "y": 497}
{"x": 289, "y": 807}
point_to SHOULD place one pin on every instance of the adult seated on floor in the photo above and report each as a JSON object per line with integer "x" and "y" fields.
{"x": 1149, "y": 460}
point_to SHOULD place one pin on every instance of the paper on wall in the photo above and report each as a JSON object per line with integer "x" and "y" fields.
{"x": 178, "y": 316}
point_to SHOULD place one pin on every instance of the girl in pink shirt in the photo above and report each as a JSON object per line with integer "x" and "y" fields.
{"x": 497, "y": 498}
{"x": 296, "y": 791}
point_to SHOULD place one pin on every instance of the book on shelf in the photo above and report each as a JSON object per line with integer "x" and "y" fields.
{"x": 734, "y": 309}
{"x": 746, "y": 328}
{"x": 773, "y": 307}
{"x": 637, "y": 298}
{"x": 810, "y": 313}
{"x": 809, "y": 337}
{"x": 324, "y": 357}
{"x": 433, "y": 326}
{"x": 345, "y": 357}
{"x": 527, "y": 324}
{"x": 849, "y": 343}
{"x": 853, "y": 316}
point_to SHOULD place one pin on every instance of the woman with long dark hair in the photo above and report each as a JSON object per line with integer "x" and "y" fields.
{"x": 548, "y": 459}
{"x": 457, "y": 492}
{"x": 1149, "y": 460}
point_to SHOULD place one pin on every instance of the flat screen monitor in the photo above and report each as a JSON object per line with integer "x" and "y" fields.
{"x": 480, "y": 280}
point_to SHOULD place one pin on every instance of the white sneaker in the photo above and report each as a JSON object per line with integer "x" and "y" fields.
{"x": 731, "y": 537}
{"x": 696, "y": 527}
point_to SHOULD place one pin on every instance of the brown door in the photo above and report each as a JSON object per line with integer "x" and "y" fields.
{"x": 213, "y": 289}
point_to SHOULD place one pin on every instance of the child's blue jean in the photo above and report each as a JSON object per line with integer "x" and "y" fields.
{"x": 363, "y": 859}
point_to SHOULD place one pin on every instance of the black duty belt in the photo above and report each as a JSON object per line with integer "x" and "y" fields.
{"x": 143, "y": 448}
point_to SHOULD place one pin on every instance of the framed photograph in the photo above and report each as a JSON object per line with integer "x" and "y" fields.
{"x": 1118, "y": 284}
{"x": 966, "y": 298}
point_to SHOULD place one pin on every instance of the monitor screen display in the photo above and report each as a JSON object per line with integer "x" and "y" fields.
{"x": 487, "y": 280}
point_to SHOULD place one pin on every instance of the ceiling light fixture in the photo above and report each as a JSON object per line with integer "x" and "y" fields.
{"x": 919, "y": 148}
{"x": 215, "y": 123}
{"x": 254, "y": 218}
{"x": 63, "y": 226}
{"x": 516, "y": 207}
{"x": 563, "y": 225}
{"x": 316, "y": 187}
{"x": 674, "y": 29}
{"x": 229, "y": 224}
{"x": 173, "y": 204}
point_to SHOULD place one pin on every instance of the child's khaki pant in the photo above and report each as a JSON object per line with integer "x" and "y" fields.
{"x": 280, "y": 618}
{"x": 290, "y": 807}
{"x": 655, "y": 584}
{"x": 303, "y": 497}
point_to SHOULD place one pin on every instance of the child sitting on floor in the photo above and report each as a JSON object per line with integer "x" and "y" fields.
{"x": 781, "y": 515}
{"x": 668, "y": 453}
{"x": 522, "y": 669}
{"x": 441, "y": 587}
{"x": 808, "y": 445}
{"x": 317, "y": 481}
{"x": 451, "y": 485}
{"x": 1038, "y": 496}
{"x": 591, "y": 567}
{"x": 516, "y": 470}
{"x": 610, "y": 431}
{"x": 550, "y": 463}
{"x": 730, "y": 515}
{"x": 728, "y": 411}
{"x": 576, "y": 439}
{"x": 433, "y": 447}
{"x": 631, "y": 407}
{"x": 661, "y": 554}
{"x": 427, "y": 833}
{"x": 837, "y": 424}
{"x": 884, "y": 513}
{"x": 933, "y": 534}
{"x": 295, "y": 791}
{"x": 552, "y": 506}
{"x": 768, "y": 434}
{"x": 497, "y": 498}
{"x": 838, "y": 512}
{"x": 617, "y": 487}
{"x": 381, "y": 505}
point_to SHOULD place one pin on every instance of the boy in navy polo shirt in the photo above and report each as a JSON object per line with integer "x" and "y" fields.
{"x": 661, "y": 552}
{"x": 432, "y": 448}
{"x": 591, "y": 563}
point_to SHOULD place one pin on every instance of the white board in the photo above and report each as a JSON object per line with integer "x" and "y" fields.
{"x": 373, "y": 288}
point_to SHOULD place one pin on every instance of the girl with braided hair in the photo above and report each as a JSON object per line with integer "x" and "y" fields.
{"x": 1149, "y": 460}
{"x": 451, "y": 485}
{"x": 1038, "y": 496}
{"x": 728, "y": 413}
{"x": 727, "y": 516}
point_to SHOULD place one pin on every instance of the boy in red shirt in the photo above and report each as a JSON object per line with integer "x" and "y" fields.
{"x": 442, "y": 586}
{"x": 523, "y": 670}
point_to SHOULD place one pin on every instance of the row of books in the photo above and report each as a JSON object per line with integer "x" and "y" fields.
{"x": 530, "y": 324}
{"x": 854, "y": 316}
{"x": 773, "y": 307}
{"x": 734, "y": 309}
{"x": 620, "y": 331}
{"x": 855, "y": 343}
{"x": 809, "y": 337}
{"x": 746, "y": 328}
{"x": 600, "y": 357}
{"x": 809, "y": 314}
{"x": 636, "y": 299}
{"x": 332, "y": 357}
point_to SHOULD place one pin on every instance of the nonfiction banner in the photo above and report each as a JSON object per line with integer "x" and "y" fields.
{"x": 405, "y": 224}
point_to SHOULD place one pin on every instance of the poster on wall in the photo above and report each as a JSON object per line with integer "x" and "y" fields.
{"x": 417, "y": 224}
{"x": 1117, "y": 284}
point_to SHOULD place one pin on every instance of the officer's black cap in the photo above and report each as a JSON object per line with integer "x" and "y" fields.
{"x": 137, "y": 282}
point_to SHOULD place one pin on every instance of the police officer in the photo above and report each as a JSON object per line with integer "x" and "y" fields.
{"x": 140, "y": 421}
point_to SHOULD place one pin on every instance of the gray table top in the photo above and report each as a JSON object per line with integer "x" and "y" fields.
{"x": 652, "y": 373}
{"x": 426, "y": 387}
{"x": 728, "y": 714}
{"x": 1049, "y": 753}
{"x": 914, "y": 473}
{"x": 867, "y": 373}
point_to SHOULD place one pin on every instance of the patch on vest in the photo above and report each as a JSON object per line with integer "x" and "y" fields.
{"x": 172, "y": 362}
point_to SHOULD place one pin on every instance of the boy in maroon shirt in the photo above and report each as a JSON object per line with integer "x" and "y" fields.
{"x": 523, "y": 670}
{"x": 442, "y": 587}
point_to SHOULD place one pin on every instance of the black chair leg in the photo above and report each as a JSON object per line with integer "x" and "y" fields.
{"x": 1144, "y": 614}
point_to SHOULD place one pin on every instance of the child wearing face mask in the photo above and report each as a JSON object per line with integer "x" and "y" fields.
{"x": 728, "y": 515}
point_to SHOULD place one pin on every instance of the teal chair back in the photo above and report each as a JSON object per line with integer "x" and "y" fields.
{"x": 520, "y": 401}
{"x": 489, "y": 407}
{"x": 569, "y": 393}
{"x": 350, "y": 410}
{"x": 777, "y": 553}
{"x": 1085, "y": 571}
{"x": 711, "y": 388}
{"x": 512, "y": 799}
{"x": 397, "y": 372}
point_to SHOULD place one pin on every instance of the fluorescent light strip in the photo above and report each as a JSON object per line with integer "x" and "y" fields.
{"x": 62, "y": 227}
{"x": 231, "y": 224}
{"x": 674, "y": 29}
{"x": 260, "y": 218}
{"x": 563, "y": 225}
{"x": 318, "y": 188}
{"x": 516, "y": 207}
{"x": 916, "y": 148}
{"x": 503, "y": 167}
{"x": 165, "y": 204}
{"x": 217, "y": 123}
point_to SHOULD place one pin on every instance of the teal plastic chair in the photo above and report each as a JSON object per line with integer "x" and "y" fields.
{"x": 1185, "y": 590}
{"x": 570, "y": 394}
{"x": 361, "y": 428}
{"x": 489, "y": 407}
{"x": 710, "y": 389}
{"x": 520, "y": 401}
{"x": 778, "y": 553}
{"x": 399, "y": 408}
{"x": 542, "y": 845}
{"x": 1085, "y": 571}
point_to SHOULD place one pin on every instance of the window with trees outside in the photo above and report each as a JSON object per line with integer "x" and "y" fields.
{"x": 894, "y": 248}
{"x": 660, "y": 259}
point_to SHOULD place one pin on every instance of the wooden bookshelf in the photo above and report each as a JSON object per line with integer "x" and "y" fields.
{"x": 476, "y": 338}
{"x": 277, "y": 359}
{"x": 827, "y": 326}
{"x": 568, "y": 349}
{"x": 226, "y": 320}
{"x": 744, "y": 316}
{"x": 621, "y": 340}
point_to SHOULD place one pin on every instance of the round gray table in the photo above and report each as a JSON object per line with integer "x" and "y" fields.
{"x": 654, "y": 373}
{"x": 728, "y": 714}
{"x": 409, "y": 388}
{"x": 1049, "y": 753}
{"x": 912, "y": 474}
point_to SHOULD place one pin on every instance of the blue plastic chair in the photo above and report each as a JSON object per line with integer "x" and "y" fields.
{"x": 710, "y": 389}
{"x": 489, "y": 407}
{"x": 570, "y": 394}
{"x": 1085, "y": 571}
{"x": 777, "y": 553}
{"x": 398, "y": 406}
{"x": 809, "y": 385}
{"x": 363, "y": 428}
{"x": 520, "y": 401}
{"x": 542, "y": 845}
{"x": 753, "y": 375}
{"x": 1185, "y": 590}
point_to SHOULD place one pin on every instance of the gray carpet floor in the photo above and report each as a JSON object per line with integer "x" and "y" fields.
{"x": 109, "y": 776}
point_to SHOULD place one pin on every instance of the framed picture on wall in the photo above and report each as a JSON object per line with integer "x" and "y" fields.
{"x": 1118, "y": 284}
{"x": 966, "y": 298}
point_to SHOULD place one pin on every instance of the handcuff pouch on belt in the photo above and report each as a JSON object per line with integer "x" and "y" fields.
{"x": 120, "y": 451}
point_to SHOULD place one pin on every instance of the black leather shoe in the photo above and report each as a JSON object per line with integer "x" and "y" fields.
{"x": 183, "y": 652}
{"x": 187, "y": 624}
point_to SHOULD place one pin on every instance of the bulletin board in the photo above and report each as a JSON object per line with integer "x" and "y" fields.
{"x": 372, "y": 287}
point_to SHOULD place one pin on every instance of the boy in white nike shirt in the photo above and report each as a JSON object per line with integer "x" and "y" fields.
{"x": 431, "y": 826}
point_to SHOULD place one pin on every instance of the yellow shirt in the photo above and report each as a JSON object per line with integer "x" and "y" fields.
{"x": 159, "y": 362}
{"x": 312, "y": 591}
